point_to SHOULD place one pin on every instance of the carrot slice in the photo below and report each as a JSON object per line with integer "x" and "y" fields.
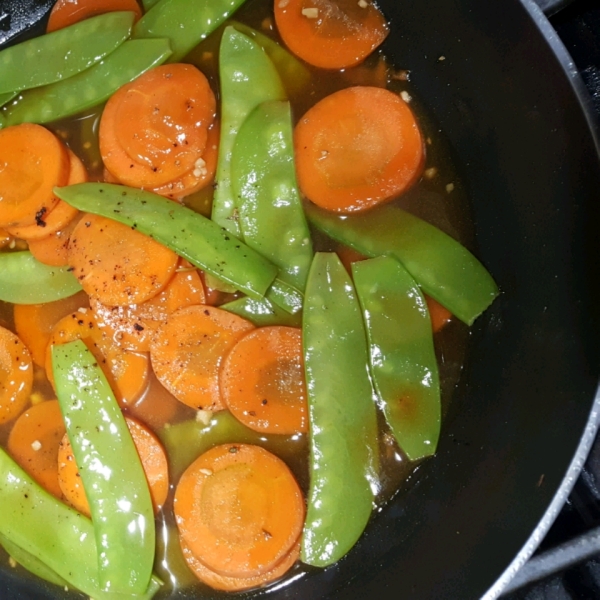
{"x": 188, "y": 349}
{"x": 331, "y": 34}
{"x": 236, "y": 584}
{"x": 68, "y": 12}
{"x": 155, "y": 129}
{"x": 201, "y": 175}
{"x": 33, "y": 161}
{"x": 440, "y": 315}
{"x": 133, "y": 327}
{"x": 33, "y": 443}
{"x": 34, "y": 322}
{"x": 239, "y": 510}
{"x": 16, "y": 375}
{"x": 53, "y": 250}
{"x": 117, "y": 265}
{"x": 152, "y": 455}
{"x": 262, "y": 381}
{"x": 357, "y": 148}
{"x": 61, "y": 214}
{"x": 127, "y": 372}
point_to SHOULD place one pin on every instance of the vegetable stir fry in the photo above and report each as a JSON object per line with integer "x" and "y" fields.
{"x": 222, "y": 313}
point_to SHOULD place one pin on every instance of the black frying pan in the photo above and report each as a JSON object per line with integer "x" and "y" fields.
{"x": 524, "y": 416}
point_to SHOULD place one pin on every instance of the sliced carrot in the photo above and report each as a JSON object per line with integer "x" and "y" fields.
{"x": 357, "y": 148}
{"x": 236, "y": 584}
{"x": 157, "y": 407}
{"x": 262, "y": 381}
{"x": 331, "y": 34}
{"x": 61, "y": 215}
{"x": 188, "y": 349}
{"x": 440, "y": 316}
{"x": 201, "y": 175}
{"x": 68, "y": 12}
{"x": 133, "y": 327}
{"x": 117, "y": 265}
{"x": 33, "y": 443}
{"x": 152, "y": 456}
{"x": 239, "y": 510}
{"x": 127, "y": 372}
{"x": 53, "y": 250}
{"x": 154, "y": 130}
{"x": 16, "y": 375}
{"x": 34, "y": 322}
{"x": 33, "y": 161}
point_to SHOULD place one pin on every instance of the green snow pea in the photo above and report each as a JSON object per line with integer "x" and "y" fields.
{"x": 31, "y": 563}
{"x": 185, "y": 22}
{"x": 189, "y": 234}
{"x": 403, "y": 362}
{"x": 262, "y": 312}
{"x": 53, "y": 533}
{"x": 294, "y": 75}
{"x": 89, "y": 88}
{"x": 148, "y": 4}
{"x": 442, "y": 267}
{"x": 25, "y": 280}
{"x": 63, "y": 53}
{"x": 343, "y": 423}
{"x": 263, "y": 178}
{"x": 7, "y": 97}
{"x": 110, "y": 469}
{"x": 248, "y": 78}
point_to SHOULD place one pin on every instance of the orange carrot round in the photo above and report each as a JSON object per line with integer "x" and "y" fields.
{"x": 133, "y": 327}
{"x": 68, "y": 12}
{"x": 33, "y": 161}
{"x": 53, "y": 250}
{"x": 239, "y": 510}
{"x": 201, "y": 175}
{"x": 357, "y": 148}
{"x": 262, "y": 381}
{"x": 127, "y": 372}
{"x": 331, "y": 34}
{"x": 16, "y": 375}
{"x": 117, "y": 265}
{"x": 236, "y": 584}
{"x": 33, "y": 443}
{"x": 188, "y": 349}
{"x": 61, "y": 214}
{"x": 152, "y": 456}
{"x": 440, "y": 316}
{"x": 34, "y": 322}
{"x": 154, "y": 130}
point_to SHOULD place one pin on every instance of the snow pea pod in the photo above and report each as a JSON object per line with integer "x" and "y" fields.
{"x": 442, "y": 267}
{"x": 262, "y": 312}
{"x": 248, "y": 78}
{"x": 110, "y": 469}
{"x": 24, "y": 280}
{"x": 185, "y": 22}
{"x": 52, "y": 532}
{"x": 89, "y": 88}
{"x": 343, "y": 423}
{"x": 403, "y": 362}
{"x": 7, "y": 97}
{"x": 63, "y": 53}
{"x": 31, "y": 563}
{"x": 294, "y": 75}
{"x": 189, "y": 234}
{"x": 263, "y": 178}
